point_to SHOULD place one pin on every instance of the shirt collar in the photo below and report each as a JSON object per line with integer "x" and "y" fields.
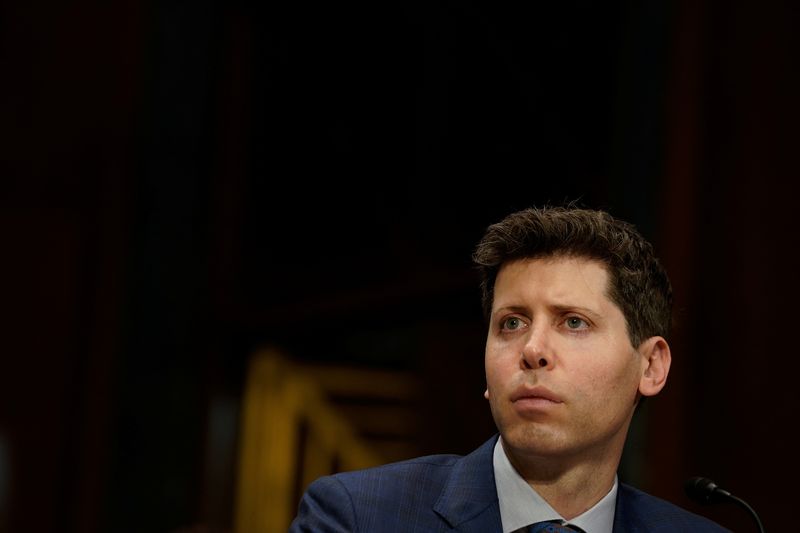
{"x": 521, "y": 506}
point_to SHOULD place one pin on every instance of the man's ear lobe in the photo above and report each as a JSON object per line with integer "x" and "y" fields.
{"x": 656, "y": 360}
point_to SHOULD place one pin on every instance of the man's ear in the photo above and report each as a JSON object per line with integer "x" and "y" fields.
{"x": 656, "y": 359}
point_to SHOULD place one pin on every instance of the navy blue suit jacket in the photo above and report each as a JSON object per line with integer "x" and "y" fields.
{"x": 453, "y": 493}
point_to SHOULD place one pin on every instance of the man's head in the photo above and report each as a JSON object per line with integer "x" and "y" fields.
{"x": 638, "y": 284}
{"x": 578, "y": 307}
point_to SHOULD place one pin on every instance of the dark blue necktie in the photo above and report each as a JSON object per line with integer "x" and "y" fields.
{"x": 553, "y": 526}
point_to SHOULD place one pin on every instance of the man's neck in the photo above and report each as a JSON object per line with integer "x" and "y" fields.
{"x": 569, "y": 485}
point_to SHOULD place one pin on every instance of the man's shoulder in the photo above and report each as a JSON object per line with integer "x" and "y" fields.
{"x": 651, "y": 513}
{"x": 431, "y": 491}
{"x": 426, "y": 469}
{"x": 377, "y": 498}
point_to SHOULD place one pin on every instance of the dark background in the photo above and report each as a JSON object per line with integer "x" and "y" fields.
{"x": 183, "y": 182}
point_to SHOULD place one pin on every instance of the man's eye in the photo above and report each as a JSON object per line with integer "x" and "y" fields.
{"x": 574, "y": 322}
{"x": 512, "y": 323}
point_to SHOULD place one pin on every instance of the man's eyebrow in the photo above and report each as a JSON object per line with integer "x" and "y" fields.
{"x": 559, "y": 308}
{"x": 511, "y": 308}
{"x": 566, "y": 308}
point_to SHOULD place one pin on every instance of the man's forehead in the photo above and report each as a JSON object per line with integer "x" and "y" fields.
{"x": 558, "y": 262}
{"x": 561, "y": 278}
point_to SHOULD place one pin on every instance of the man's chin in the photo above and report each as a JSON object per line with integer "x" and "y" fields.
{"x": 533, "y": 441}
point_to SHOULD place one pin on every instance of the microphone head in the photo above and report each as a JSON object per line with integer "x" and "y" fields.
{"x": 703, "y": 490}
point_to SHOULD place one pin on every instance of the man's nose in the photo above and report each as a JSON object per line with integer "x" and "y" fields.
{"x": 537, "y": 351}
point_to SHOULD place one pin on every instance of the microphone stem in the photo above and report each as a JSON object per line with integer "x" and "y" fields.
{"x": 750, "y": 510}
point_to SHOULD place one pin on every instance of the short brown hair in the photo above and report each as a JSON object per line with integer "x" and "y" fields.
{"x": 638, "y": 284}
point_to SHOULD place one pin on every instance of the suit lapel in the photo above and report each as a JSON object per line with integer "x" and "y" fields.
{"x": 468, "y": 501}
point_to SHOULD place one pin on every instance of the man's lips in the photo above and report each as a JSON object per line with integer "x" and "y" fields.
{"x": 536, "y": 393}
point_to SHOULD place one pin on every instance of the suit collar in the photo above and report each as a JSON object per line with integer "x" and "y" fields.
{"x": 469, "y": 498}
{"x": 628, "y": 515}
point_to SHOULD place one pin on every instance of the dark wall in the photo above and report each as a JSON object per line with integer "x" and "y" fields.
{"x": 185, "y": 181}
{"x": 733, "y": 192}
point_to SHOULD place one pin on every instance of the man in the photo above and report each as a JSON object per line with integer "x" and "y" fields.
{"x": 578, "y": 311}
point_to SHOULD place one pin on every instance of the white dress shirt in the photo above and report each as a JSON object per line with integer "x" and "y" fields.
{"x": 521, "y": 506}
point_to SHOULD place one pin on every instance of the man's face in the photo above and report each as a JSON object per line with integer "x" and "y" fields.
{"x": 562, "y": 376}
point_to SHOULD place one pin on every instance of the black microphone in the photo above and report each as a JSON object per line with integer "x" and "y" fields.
{"x": 706, "y": 492}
